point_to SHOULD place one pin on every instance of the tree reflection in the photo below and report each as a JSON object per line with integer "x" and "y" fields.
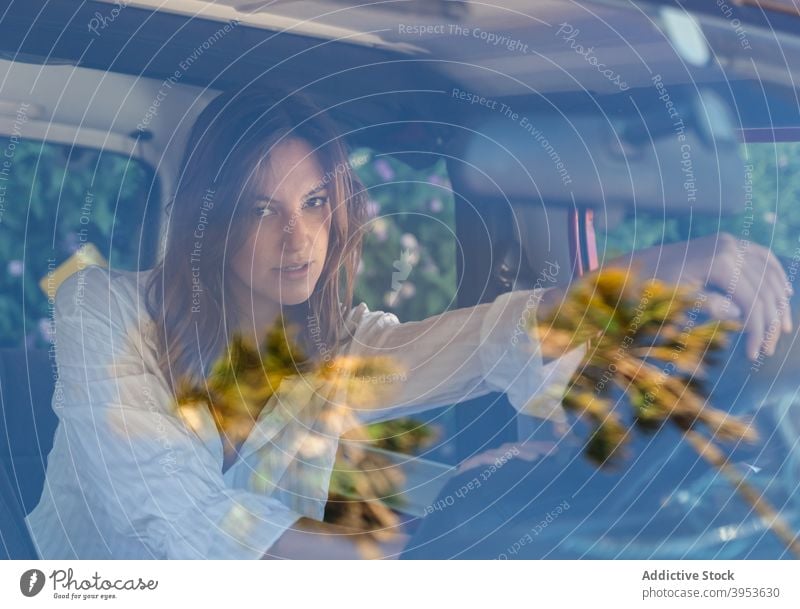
{"x": 244, "y": 379}
{"x": 647, "y": 347}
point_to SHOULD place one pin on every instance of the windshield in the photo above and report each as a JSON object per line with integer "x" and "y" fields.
{"x": 417, "y": 279}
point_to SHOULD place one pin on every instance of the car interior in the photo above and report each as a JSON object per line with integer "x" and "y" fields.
{"x": 91, "y": 88}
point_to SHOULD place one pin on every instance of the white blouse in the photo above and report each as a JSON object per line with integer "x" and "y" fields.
{"x": 127, "y": 478}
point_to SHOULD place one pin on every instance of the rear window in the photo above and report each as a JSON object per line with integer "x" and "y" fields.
{"x": 409, "y": 261}
{"x": 55, "y": 199}
{"x": 408, "y": 268}
{"x": 768, "y": 211}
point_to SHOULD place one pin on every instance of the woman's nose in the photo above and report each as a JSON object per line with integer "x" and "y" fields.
{"x": 295, "y": 233}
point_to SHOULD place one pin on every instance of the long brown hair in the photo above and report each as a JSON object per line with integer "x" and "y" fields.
{"x": 227, "y": 147}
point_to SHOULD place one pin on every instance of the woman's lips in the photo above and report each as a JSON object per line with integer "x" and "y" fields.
{"x": 295, "y": 274}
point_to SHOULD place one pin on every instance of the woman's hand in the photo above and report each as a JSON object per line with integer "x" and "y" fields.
{"x": 754, "y": 286}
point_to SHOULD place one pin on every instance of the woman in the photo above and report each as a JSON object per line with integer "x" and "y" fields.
{"x": 267, "y": 219}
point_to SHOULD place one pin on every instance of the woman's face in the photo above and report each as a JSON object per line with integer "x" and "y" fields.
{"x": 290, "y": 226}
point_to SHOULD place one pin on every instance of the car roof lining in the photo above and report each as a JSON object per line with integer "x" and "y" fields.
{"x": 141, "y": 42}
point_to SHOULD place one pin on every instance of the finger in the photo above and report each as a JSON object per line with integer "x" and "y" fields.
{"x": 772, "y": 325}
{"x": 724, "y": 262}
{"x": 757, "y": 293}
{"x": 786, "y": 315}
{"x": 773, "y": 306}
{"x": 721, "y": 307}
{"x": 772, "y": 319}
{"x": 771, "y": 293}
{"x": 777, "y": 321}
{"x": 741, "y": 289}
{"x": 775, "y": 276}
{"x": 778, "y": 270}
{"x": 754, "y": 328}
{"x": 788, "y": 323}
{"x": 783, "y": 307}
{"x": 743, "y": 292}
{"x": 783, "y": 291}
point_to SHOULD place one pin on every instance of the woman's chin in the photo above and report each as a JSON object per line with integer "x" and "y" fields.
{"x": 289, "y": 295}
{"x": 290, "y": 302}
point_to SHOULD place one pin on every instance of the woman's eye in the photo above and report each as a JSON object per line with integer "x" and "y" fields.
{"x": 316, "y": 202}
{"x": 264, "y": 211}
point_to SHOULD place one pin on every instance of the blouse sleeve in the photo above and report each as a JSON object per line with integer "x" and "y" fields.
{"x": 462, "y": 354}
{"x": 144, "y": 472}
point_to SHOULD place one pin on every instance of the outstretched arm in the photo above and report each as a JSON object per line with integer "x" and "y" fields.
{"x": 466, "y": 353}
{"x": 459, "y": 355}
